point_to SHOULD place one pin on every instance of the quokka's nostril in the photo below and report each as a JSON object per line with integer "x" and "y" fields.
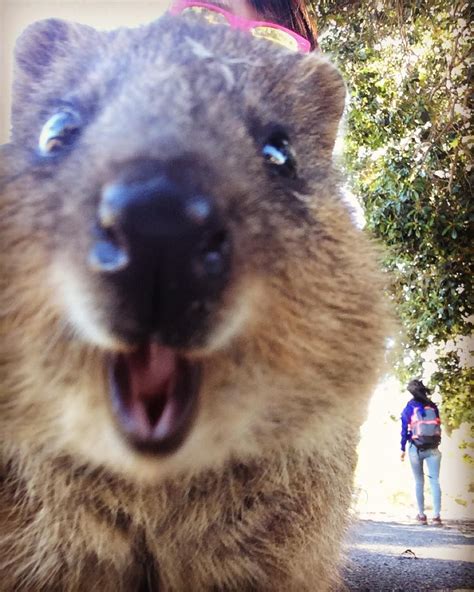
{"x": 114, "y": 198}
{"x": 214, "y": 255}
{"x": 107, "y": 255}
{"x": 198, "y": 209}
{"x": 214, "y": 264}
{"x": 218, "y": 242}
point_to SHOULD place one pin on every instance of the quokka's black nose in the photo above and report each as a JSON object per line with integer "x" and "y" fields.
{"x": 163, "y": 243}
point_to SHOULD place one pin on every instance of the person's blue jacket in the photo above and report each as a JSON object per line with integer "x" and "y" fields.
{"x": 406, "y": 418}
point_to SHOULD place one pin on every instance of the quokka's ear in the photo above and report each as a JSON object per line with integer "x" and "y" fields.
{"x": 40, "y": 45}
{"x": 48, "y": 55}
{"x": 47, "y": 42}
{"x": 324, "y": 92}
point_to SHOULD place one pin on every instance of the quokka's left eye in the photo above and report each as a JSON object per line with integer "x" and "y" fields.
{"x": 279, "y": 154}
{"x": 59, "y": 132}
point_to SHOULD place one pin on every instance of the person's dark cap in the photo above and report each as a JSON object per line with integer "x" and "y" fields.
{"x": 416, "y": 386}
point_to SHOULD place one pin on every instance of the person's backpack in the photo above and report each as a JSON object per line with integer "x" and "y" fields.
{"x": 425, "y": 430}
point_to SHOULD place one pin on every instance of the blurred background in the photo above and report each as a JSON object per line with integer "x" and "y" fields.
{"x": 406, "y": 152}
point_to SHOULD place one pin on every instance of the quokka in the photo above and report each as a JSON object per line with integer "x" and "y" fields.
{"x": 191, "y": 326}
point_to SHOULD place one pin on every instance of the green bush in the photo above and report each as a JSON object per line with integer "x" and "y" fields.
{"x": 408, "y": 154}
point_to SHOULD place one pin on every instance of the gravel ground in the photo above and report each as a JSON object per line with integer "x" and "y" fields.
{"x": 404, "y": 557}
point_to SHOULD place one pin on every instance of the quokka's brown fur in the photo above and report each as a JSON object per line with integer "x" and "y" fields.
{"x": 257, "y": 496}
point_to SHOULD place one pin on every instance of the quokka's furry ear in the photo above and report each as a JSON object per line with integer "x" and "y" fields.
{"x": 324, "y": 92}
{"x": 40, "y": 45}
{"x": 48, "y": 55}
{"x": 47, "y": 42}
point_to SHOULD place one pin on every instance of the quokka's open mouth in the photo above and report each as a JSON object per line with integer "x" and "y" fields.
{"x": 154, "y": 393}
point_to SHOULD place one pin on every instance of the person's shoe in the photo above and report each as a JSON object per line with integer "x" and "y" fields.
{"x": 436, "y": 521}
{"x": 421, "y": 518}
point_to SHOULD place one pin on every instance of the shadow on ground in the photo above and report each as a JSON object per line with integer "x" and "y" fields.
{"x": 391, "y": 556}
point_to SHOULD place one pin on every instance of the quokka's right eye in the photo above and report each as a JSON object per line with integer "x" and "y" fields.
{"x": 59, "y": 132}
{"x": 279, "y": 154}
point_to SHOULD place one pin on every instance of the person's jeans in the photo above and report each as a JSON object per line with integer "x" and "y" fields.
{"x": 432, "y": 457}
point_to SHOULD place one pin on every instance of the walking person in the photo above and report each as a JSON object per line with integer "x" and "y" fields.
{"x": 421, "y": 430}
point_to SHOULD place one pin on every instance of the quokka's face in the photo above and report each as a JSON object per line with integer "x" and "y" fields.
{"x": 155, "y": 212}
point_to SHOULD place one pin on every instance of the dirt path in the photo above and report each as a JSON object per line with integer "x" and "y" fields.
{"x": 403, "y": 557}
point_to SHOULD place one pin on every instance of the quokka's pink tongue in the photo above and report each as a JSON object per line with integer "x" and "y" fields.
{"x": 154, "y": 394}
{"x": 144, "y": 384}
{"x": 151, "y": 371}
